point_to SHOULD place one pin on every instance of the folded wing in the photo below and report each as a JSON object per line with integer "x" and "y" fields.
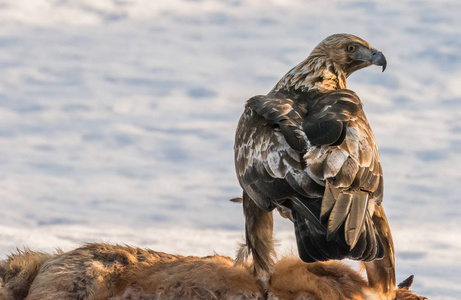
{"x": 320, "y": 160}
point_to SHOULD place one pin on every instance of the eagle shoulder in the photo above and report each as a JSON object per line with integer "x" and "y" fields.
{"x": 269, "y": 146}
{"x": 326, "y": 122}
{"x": 282, "y": 112}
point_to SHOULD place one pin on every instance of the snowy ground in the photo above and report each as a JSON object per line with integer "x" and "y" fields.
{"x": 117, "y": 120}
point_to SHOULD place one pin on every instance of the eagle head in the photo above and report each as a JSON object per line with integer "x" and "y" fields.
{"x": 349, "y": 53}
{"x": 330, "y": 63}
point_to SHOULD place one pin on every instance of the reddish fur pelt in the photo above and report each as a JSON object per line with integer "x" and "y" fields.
{"x": 102, "y": 271}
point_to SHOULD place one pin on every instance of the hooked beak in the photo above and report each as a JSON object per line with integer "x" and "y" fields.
{"x": 378, "y": 59}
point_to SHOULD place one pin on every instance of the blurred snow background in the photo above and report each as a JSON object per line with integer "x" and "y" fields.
{"x": 117, "y": 120}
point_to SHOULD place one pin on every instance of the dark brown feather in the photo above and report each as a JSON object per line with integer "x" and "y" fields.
{"x": 339, "y": 213}
{"x": 357, "y": 214}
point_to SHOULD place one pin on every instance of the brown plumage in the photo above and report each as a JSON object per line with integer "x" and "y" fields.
{"x": 307, "y": 149}
{"x": 102, "y": 271}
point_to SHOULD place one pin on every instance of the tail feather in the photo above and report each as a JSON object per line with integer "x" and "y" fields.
{"x": 371, "y": 239}
{"x": 306, "y": 253}
{"x": 361, "y": 249}
{"x": 314, "y": 244}
{"x": 344, "y": 207}
{"x": 339, "y": 213}
{"x": 308, "y": 212}
{"x": 355, "y": 220}
{"x": 370, "y": 247}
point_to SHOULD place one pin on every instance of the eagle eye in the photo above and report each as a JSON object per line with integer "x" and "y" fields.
{"x": 351, "y": 48}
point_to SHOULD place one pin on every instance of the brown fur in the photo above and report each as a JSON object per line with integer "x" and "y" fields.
{"x": 18, "y": 272}
{"x": 101, "y": 271}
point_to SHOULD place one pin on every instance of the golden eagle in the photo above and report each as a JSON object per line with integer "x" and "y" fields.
{"x": 306, "y": 148}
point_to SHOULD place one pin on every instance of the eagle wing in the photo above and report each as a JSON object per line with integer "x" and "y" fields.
{"x": 322, "y": 156}
{"x": 269, "y": 146}
{"x": 346, "y": 159}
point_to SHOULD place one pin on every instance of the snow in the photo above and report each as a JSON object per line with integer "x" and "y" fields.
{"x": 117, "y": 120}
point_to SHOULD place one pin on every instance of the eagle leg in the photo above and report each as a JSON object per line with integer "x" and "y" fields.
{"x": 381, "y": 272}
{"x": 258, "y": 241}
